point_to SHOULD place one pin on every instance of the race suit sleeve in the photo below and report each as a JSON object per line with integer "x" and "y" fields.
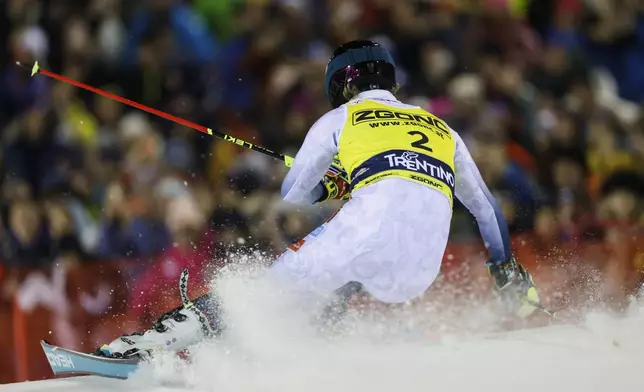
{"x": 472, "y": 192}
{"x": 302, "y": 183}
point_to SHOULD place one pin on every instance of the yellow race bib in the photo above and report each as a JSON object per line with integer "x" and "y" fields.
{"x": 380, "y": 141}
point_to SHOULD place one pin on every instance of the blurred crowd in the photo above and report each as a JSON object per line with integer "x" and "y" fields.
{"x": 546, "y": 94}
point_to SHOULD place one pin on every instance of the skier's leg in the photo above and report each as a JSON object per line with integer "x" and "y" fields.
{"x": 319, "y": 265}
{"x": 193, "y": 321}
{"x": 335, "y": 310}
{"x": 318, "y": 268}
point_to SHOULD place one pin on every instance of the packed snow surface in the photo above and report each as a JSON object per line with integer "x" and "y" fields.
{"x": 271, "y": 346}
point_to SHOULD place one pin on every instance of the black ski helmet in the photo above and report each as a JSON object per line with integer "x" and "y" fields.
{"x": 358, "y": 66}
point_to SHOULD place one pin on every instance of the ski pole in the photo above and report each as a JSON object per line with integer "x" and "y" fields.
{"x": 35, "y": 69}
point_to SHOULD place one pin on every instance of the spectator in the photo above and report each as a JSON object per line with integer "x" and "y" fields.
{"x": 65, "y": 243}
{"x": 189, "y": 32}
{"x": 131, "y": 229}
{"x": 27, "y": 241}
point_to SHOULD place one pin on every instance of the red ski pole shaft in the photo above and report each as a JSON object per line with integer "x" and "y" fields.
{"x": 35, "y": 69}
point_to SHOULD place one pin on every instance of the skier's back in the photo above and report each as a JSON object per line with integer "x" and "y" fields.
{"x": 402, "y": 168}
{"x": 391, "y": 235}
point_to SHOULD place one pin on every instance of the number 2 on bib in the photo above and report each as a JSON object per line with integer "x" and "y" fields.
{"x": 422, "y": 142}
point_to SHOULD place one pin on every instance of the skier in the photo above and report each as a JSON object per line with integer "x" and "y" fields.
{"x": 400, "y": 168}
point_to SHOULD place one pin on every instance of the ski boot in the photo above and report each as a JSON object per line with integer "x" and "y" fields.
{"x": 174, "y": 331}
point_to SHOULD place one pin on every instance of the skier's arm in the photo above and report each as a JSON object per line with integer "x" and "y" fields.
{"x": 475, "y": 196}
{"x": 302, "y": 183}
{"x": 512, "y": 281}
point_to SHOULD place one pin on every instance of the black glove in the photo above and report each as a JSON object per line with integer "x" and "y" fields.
{"x": 514, "y": 286}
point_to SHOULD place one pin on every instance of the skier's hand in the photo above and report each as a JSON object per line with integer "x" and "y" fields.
{"x": 335, "y": 183}
{"x": 514, "y": 286}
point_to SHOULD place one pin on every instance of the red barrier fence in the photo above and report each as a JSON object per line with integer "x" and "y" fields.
{"x": 82, "y": 306}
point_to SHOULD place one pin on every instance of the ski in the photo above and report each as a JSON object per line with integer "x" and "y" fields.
{"x": 69, "y": 362}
